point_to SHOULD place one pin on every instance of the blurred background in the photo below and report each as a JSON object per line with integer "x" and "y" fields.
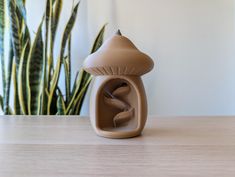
{"x": 191, "y": 42}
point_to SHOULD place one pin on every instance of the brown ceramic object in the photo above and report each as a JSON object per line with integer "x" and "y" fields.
{"x": 118, "y": 105}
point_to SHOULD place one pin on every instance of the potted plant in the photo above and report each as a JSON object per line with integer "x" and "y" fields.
{"x": 30, "y": 64}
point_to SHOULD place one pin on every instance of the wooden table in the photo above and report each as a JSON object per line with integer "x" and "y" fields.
{"x": 68, "y": 147}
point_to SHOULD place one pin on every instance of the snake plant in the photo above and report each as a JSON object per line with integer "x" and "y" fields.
{"x": 30, "y": 63}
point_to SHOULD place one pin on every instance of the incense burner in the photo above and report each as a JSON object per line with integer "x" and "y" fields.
{"x": 118, "y": 105}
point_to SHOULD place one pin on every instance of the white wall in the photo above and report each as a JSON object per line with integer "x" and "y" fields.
{"x": 192, "y": 44}
{"x": 191, "y": 41}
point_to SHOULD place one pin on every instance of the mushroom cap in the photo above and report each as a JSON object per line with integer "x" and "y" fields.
{"x": 118, "y": 56}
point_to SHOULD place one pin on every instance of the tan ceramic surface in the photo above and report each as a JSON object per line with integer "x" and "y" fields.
{"x": 118, "y": 106}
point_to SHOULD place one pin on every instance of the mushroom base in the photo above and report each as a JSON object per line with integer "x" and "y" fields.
{"x": 118, "y": 106}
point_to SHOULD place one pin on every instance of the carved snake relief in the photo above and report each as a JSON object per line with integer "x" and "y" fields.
{"x": 112, "y": 99}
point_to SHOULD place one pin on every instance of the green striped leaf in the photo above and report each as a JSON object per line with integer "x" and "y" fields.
{"x": 68, "y": 70}
{"x": 66, "y": 34}
{"x": 67, "y": 81}
{"x": 8, "y": 81}
{"x": 15, "y": 32}
{"x": 99, "y": 40}
{"x": 48, "y": 12}
{"x": 1, "y": 102}
{"x": 67, "y": 38}
{"x": 22, "y": 76}
{"x": 48, "y": 19}
{"x": 81, "y": 100}
{"x": 34, "y": 73}
{"x": 60, "y": 104}
{"x": 21, "y": 7}
{"x": 68, "y": 66}
{"x": 25, "y": 36}
{"x": 55, "y": 18}
{"x": 16, "y": 27}
{"x": 2, "y": 106}
{"x": 74, "y": 83}
{"x": 2, "y": 32}
{"x": 22, "y": 86}
{"x": 78, "y": 106}
{"x": 68, "y": 30}
{"x": 20, "y": 16}
{"x": 54, "y": 82}
{"x": 80, "y": 94}
{"x": 53, "y": 109}
{"x": 55, "y": 12}
{"x": 45, "y": 82}
{"x": 16, "y": 96}
{"x": 76, "y": 89}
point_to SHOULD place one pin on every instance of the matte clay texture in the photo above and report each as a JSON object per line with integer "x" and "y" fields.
{"x": 118, "y": 105}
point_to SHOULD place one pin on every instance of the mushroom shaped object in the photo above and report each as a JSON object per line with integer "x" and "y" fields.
{"x": 118, "y": 105}
{"x": 118, "y": 56}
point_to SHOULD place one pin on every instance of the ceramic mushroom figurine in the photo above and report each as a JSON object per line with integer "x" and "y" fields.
{"x": 118, "y": 105}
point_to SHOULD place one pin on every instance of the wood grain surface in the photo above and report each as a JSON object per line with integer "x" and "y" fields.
{"x": 68, "y": 147}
